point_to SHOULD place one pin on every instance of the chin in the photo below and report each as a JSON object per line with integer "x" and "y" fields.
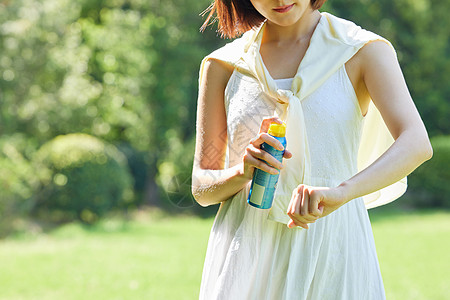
{"x": 283, "y": 21}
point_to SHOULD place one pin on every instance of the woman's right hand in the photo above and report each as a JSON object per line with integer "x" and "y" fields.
{"x": 255, "y": 157}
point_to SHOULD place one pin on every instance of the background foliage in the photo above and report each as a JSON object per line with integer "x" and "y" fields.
{"x": 125, "y": 72}
{"x": 418, "y": 29}
{"x": 81, "y": 177}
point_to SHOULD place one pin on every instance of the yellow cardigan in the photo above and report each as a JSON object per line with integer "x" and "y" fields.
{"x": 332, "y": 44}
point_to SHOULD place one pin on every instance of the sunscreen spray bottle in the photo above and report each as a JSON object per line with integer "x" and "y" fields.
{"x": 264, "y": 184}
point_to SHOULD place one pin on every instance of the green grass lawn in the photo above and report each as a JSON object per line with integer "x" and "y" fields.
{"x": 414, "y": 253}
{"x": 155, "y": 256}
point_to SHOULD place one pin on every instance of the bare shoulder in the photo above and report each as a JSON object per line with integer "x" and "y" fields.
{"x": 371, "y": 55}
{"x": 216, "y": 72}
{"x": 374, "y": 62}
{"x": 376, "y": 55}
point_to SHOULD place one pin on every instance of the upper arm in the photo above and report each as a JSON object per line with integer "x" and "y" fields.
{"x": 386, "y": 86}
{"x": 211, "y": 137}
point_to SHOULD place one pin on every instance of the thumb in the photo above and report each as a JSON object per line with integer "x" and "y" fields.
{"x": 321, "y": 206}
{"x": 291, "y": 224}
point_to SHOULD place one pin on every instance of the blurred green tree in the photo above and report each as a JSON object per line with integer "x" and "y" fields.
{"x": 419, "y": 30}
{"x": 429, "y": 184}
{"x": 126, "y": 72}
{"x": 18, "y": 181}
{"x": 119, "y": 70}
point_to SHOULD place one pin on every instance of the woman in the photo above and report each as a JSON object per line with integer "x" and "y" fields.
{"x": 334, "y": 84}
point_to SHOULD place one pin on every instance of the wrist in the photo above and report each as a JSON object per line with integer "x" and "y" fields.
{"x": 242, "y": 174}
{"x": 346, "y": 191}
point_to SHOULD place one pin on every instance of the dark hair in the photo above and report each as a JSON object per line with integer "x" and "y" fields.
{"x": 237, "y": 16}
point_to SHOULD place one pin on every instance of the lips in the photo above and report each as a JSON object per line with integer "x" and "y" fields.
{"x": 283, "y": 9}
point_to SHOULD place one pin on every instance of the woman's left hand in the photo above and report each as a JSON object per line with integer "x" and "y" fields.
{"x": 310, "y": 203}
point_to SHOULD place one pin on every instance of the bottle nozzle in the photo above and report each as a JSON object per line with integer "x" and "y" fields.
{"x": 278, "y": 130}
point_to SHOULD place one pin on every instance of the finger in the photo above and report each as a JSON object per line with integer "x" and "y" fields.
{"x": 291, "y": 208}
{"x": 265, "y": 124}
{"x": 298, "y": 203}
{"x": 314, "y": 201}
{"x": 251, "y": 160}
{"x": 303, "y": 219}
{"x": 287, "y": 153}
{"x": 299, "y": 219}
{"x": 268, "y": 139}
{"x": 266, "y": 157}
{"x": 296, "y": 193}
{"x": 293, "y": 224}
{"x": 305, "y": 202}
{"x": 294, "y": 207}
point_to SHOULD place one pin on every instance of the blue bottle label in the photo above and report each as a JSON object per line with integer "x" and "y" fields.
{"x": 264, "y": 184}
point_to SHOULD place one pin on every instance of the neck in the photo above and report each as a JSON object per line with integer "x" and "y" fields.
{"x": 301, "y": 30}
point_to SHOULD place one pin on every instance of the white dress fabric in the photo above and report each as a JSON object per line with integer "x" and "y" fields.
{"x": 333, "y": 42}
{"x": 250, "y": 256}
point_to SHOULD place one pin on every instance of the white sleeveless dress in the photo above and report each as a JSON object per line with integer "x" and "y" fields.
{"x": 251, "y": 257}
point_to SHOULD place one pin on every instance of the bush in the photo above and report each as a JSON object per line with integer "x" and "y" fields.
{"x": 429, "y": 185}
{"x": 82, "y": 178}
{"x": 17, "y": 181}
{"x": 138, "y": 164}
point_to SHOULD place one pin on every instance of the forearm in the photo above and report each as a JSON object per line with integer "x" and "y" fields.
{"x": 384, "y": 82}
{"x": 214, "y": 186}
{"x": 404, "y": 156}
